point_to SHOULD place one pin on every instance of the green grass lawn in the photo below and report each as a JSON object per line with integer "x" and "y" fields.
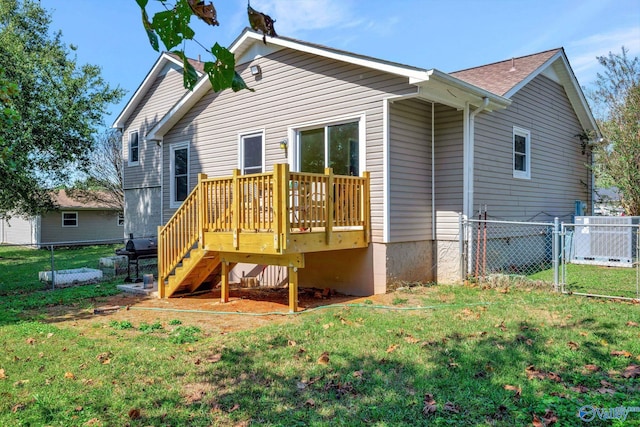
{"x": 443, "y": 355}
{"x": 594, "y": 279}
{"x": 19, "y": 266}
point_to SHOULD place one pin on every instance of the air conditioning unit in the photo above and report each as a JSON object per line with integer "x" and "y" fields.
{"x": 605, "y": 240}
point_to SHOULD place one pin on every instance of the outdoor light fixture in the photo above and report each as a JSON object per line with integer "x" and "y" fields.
{"x": 284, "y": 143}
{"x": 256, "y": 70}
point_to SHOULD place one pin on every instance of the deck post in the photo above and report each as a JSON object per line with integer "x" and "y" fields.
{"x": 203, "y": 206}
{"x": 224, "y": 286}
{"x": 329, "y": 205}
{"x": 293, "y": 289}
{"x": 236, "y": 207}
{"x": 366, "y": 206}
{"x": 161, "y": 263}
{"x": 285, "y": 214}
{"x": 278, "y": 181}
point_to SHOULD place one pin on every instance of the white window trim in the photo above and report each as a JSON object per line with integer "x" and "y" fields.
{"x": 294, "y": 140}
{"x": 172, "y": 190}
{"x": 118, "y": 216}
{"x": 69, "y": 212}
{"x": 526, "y": 174}
{"x": 129, "y": 162}
{"x": 241, "y": 137}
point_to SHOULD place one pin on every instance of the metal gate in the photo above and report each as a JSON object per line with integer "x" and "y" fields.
{"x": 600, "y": 257}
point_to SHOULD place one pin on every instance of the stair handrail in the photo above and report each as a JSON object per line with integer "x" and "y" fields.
{"x": 178, "y": 235}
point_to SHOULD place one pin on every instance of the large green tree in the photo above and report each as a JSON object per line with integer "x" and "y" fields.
{"x": 60, "y": 105}
{"x": 616, "y": 99}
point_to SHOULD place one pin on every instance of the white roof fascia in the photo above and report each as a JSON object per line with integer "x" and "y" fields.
{"x": 162, "y": 60}
{"x": 171, "y": 118}
{"x": 571, "y": 86}
{"x": 411, "y": 73}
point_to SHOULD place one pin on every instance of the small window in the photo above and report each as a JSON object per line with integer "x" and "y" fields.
{"x": 120, "y": 219}
{"x": 134, "y": 148}
{"x": 521, "y": 153}
{"x": 69, "y": 219}
{"x": 179, "y": 173}
{"x": 251, "y": 148}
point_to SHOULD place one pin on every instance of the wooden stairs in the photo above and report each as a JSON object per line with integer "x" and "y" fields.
{"x": 196, "y": 268}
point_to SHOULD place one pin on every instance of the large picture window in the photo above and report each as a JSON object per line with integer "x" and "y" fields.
{"x": 134, "y": 148}
{"x": 332, "y": 146}
{"x": 251, "y": 149}
{"x": 521, "y": 153}
{"x": 179, "y": 173}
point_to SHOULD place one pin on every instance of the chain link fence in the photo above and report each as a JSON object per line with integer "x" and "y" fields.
{"x": 502, "y": 252}
{"x": 595, "y": 256}
{"x": 24, "y": 268}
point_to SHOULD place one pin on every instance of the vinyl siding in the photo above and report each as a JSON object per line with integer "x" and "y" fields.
{"x": 142, "y": 212}
{"x": 410, "y": 171}
{"x": 92, "y": 225}
{"x": 558, "y": 172}
{"x": 295, "y": 89}
{"x": 164, "y": 93}
{"x": 449, "y": 171}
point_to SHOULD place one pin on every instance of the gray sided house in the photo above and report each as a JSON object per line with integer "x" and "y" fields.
{"x": 437, "y": 146}
{"x": 74, "y": 222}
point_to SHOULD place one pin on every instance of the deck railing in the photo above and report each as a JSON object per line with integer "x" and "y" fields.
{"x": 277, "y": 202}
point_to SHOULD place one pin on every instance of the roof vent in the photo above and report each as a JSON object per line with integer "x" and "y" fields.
{"x": 513, "y": 65}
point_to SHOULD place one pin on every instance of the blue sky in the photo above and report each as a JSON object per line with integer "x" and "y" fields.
{"x": 448, "y": 35}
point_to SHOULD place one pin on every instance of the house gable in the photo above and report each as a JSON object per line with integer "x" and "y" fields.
{"x": 163, "y": 65}
{"x": 507, "y": 78}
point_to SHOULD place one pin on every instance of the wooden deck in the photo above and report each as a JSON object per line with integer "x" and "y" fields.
{"x": 270, "y": 218}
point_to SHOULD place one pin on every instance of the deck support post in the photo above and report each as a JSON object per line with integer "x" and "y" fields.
{"x": 329, "y": 205}
{"x": 293, "y": 289}
{"x": 224, "y": 285}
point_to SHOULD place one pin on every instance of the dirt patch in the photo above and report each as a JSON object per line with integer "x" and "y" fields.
{"x": 247, "y": 309}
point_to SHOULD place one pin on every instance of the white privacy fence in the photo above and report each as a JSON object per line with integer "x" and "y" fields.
{"x": 594, "y": 256}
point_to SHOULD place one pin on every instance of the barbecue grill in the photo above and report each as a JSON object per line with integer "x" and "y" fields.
{"x": 135, "y": 250}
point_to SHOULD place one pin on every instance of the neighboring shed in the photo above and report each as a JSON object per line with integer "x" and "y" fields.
{"x": 74, "y": 222}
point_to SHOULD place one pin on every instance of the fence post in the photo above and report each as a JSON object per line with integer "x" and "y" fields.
{"x": 555, "y": 251}
{"x": 53, "y": 270}
{"x": 462, "y": 234}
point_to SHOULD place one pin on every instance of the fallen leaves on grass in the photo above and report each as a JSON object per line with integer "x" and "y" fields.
{"x": 358, "y": 374}
{"x": 532, "y": 373}
{"x": 392, "y": 348}
{"x": 31, "y": 341}
{"x": 501, "y": 326}
{"x": 69, "y": 375}
{"x": 2, "y": 374}
{"x": 134, "y": 413}
{"x": 451, "y": 407}
{"x": 622, "y": 353}
{"x": 429, "y": 404}
{"x": 590, "y": 368}
{"x": 631, "y": 371}
{"x": 411, "y": 340}
{"x": 573, "y": 345}
{"x": 324, "y": 358}
{"x": 580, "y": 389}
{"x": 18, "y": 407}
{"x": 547, "y": 419}
{"x": 516, "y": 389}
{"x": 104, "y": 358}
{"x": 310, "y": 402}
{"x": 630, "y": 323}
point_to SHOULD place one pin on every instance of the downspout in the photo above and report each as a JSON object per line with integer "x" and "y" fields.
{"x": 469, "y": 172}
{"x": 433, "y": 174}
{"x": 470, "y": 169}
